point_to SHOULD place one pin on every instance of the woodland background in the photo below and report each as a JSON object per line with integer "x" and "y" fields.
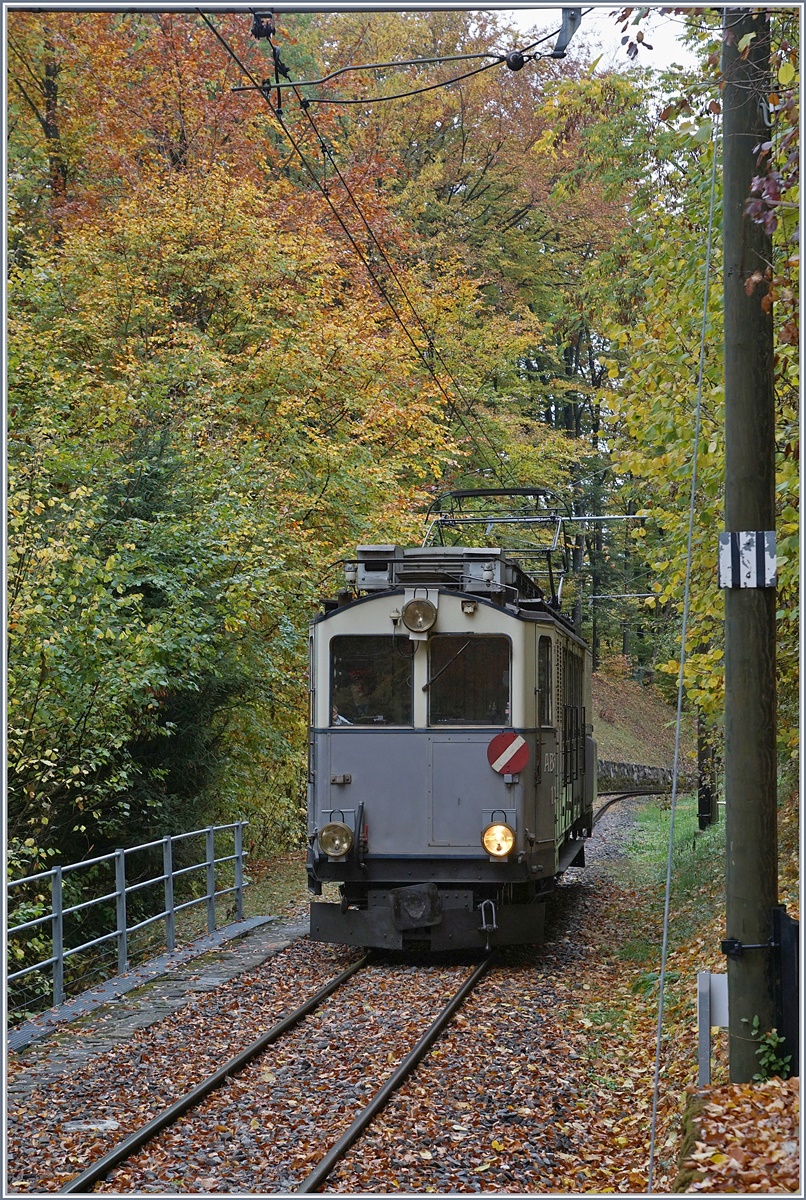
{"x": 210, "y": 400}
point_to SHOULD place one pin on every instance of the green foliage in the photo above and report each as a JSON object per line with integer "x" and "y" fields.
{"x": 650, "y": 980}
{"x": 194, "y": 435}
{"x": 768, "y": 1052}
{"x": 655, "y": 402}
{"x": 209, "y": 402}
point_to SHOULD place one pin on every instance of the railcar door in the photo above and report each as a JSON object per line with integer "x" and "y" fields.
{"x": 469, "y": 701}
{"x": 547, "y": 816}
{"x": 547, "y": 813}
{"x": 463, "y": 792}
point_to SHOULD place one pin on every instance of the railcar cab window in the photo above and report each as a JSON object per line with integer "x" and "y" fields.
{"x": 468, "y": 680}
{"x": 371, "y": 680}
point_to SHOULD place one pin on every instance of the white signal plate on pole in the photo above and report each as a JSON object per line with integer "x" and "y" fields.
{"x": 747, "y": 560}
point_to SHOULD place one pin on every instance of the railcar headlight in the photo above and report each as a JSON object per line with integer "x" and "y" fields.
{"x": 498, "y": 839}
{"x": 419, "y": 615}
{"x": 335, "y": 839}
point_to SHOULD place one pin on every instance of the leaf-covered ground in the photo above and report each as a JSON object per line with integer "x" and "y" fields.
{"x": 633, "y": 723}
{"x": 748, "y": 1140}
{"x": 543, "y": 1083}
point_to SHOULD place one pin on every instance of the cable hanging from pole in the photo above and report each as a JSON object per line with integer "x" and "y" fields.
{"x": 263, "y": 27}
{"x": 431, "y": 352}
{"x": 683, "y": 636}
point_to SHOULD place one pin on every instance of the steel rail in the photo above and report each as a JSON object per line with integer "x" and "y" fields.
{"x": 600, "y": 812}
{"x": 102, "y": 1166}
{"x": 340, "y": 1148}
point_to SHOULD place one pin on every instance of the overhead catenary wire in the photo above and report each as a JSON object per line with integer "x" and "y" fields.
{"x": 683, "y": 634}
{"x": 327, "y": 154}
{"x": 266, "y": 29}
{"x": 431, "y": 87}
{"x": 498, "y": 58}
{"x": 380, "y": 66}
{"x": 381, "y": 250}
{"x": 264, "y": 88}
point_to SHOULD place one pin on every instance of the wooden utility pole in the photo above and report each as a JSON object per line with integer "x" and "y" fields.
{"x": 750, "y": 728}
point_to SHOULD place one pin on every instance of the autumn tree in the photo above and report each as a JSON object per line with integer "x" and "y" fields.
{"x": 210, "y": 401}
{"x": 529, "y": 173}
{"x": 659, "y": 352}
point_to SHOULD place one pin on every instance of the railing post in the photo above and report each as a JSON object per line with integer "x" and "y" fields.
{"x": 210, "y": 839}
{"x": 239, "y": 870}
{"x": 57, "y": 926}
{"x": 120, "y": 907}
{"x": 168, "y": 874}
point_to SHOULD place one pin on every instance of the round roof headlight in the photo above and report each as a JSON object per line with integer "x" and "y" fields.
{"x": 335, "y": 839}
{"x": 498, "y": 839}
{"x": 419, "y": 615}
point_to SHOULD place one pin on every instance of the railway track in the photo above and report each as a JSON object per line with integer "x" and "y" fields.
{"x": 193, "y": 1099}
{"x": 487, "y": 1105}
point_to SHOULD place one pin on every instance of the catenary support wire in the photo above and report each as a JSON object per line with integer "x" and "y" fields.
{"x": 515, "y": 60}
{"x": 431, "y": 352}
{"x": 683, "y": 632}
{"x": 264, "y": 88}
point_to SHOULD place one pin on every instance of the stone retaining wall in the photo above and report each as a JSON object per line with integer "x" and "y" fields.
{"x": 613, "y": 777}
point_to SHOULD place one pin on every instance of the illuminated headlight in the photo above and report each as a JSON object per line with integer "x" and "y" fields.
{"x": 335, "y": 839}
{"x": 419, "y": 615}
{"x": 498, "y": 839}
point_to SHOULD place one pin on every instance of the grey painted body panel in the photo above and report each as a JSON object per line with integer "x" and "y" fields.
{"x": 423, "y": 791}
{"x": 388, "y": 775}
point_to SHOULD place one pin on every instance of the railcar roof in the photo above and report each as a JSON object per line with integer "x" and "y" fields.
{"x": 489, "y": 573}
{"x": 483, "y": 570}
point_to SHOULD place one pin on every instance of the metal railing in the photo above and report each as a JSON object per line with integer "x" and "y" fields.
{"x": 120, "y": 934}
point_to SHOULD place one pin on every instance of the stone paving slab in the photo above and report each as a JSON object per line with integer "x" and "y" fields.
{"x": 111, "y": 989}
{"x": 48, "y": 1045}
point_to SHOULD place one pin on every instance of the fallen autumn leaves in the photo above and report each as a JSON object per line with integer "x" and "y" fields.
{"x": 749, "y": 1140}
{"x": 543, "y": 1082}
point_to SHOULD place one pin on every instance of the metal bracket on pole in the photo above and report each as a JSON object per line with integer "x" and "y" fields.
{"x": 572, "y": 19}
{"x": 735, "y": 949}
{"x": 712, "y": 1011}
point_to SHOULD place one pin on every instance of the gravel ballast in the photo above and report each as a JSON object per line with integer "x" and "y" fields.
{"x": 511, "y": 1099}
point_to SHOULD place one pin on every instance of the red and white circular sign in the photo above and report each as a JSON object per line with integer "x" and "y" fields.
{"x": 508, "y": 752}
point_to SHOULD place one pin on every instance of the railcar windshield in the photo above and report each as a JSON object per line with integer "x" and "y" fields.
{"x": 371, "y": 680}
{"x": 468, "y": 680}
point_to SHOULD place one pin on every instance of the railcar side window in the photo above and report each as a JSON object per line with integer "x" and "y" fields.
{"x": 544, "y": 681}
{"x": 468, "y": 680}
{"x": 370, "y": 680}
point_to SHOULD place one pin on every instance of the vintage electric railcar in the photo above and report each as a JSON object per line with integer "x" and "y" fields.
{"x": 452, "y": 771}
